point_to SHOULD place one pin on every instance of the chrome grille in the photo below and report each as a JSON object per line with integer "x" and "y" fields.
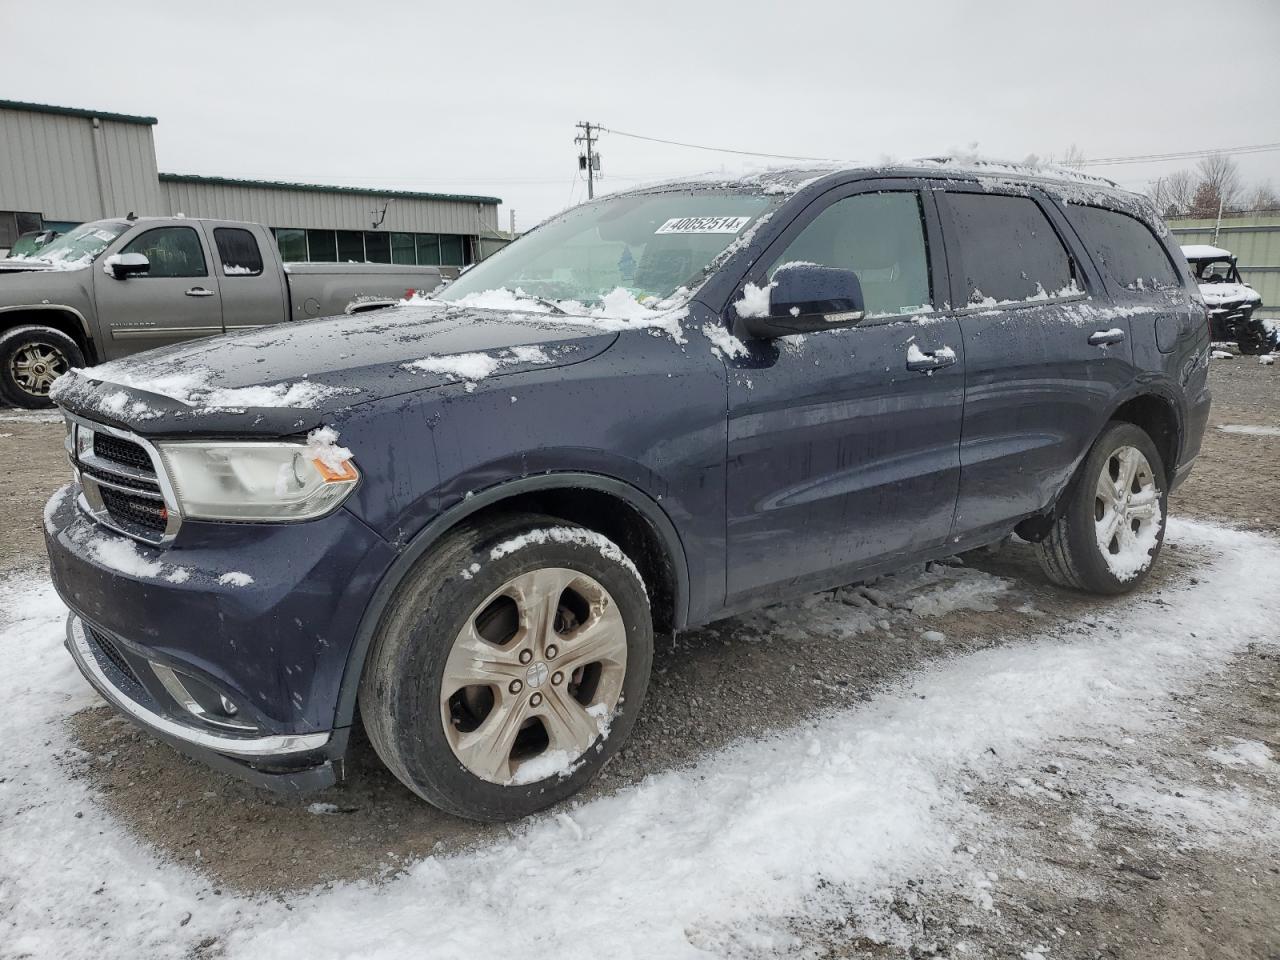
{"x": 121, "y": 482}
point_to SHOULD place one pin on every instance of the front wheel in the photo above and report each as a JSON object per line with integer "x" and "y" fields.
{"x": 1110, "y": 525}
{"x": 1257, "y": 338}
{"x": 31, "y": 358}
{"x": 509, "y": 668}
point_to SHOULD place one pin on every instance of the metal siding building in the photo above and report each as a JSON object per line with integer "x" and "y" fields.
{"x": 1255, "y": 240}
{"x": 61, "y": 165}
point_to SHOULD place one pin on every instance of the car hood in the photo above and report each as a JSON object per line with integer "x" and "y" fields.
{"x": 285, "y": 379}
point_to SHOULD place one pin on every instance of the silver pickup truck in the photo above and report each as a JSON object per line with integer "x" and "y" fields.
{"x": 114, "y": 287}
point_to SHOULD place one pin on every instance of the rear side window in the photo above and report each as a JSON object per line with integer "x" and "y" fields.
{"x": 172, "y": 251}
{"x": 1125, "y": 248}
{"x": 1007, "y": 249}
{"x": 880, "y": 237}
{"x": 238, "y": 251}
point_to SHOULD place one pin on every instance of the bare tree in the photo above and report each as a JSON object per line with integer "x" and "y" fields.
{"x": 1262, "y": 197}
{"x": 1174, "y": 194}
{"x": 1073, "y": 157}
{"x": 1219, "y": 181}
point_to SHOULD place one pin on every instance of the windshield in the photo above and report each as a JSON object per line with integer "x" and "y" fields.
{"x": 650, "y": 245}
{"x": 1217, "y": 271}
{"x": 83, "y": 244}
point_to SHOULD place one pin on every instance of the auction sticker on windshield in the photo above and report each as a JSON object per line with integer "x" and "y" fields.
{"x": 703, "y": 225}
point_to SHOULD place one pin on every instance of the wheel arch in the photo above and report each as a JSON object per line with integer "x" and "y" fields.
{"x": 60, "y": 317}
{"x": 605, "y": 504}
{"x": 1157, "y": 415}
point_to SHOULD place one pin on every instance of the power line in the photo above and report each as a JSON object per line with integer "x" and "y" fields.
{"x": 1180, "y": 155}
{"x": 699, "y": 146}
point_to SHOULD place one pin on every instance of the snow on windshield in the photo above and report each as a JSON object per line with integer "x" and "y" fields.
{"x": 79, "y": 246}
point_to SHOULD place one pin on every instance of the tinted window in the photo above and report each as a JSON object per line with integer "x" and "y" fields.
{"x": 880, "y": 237}
{"x": 452, "y": 250}
{"x": 377, "y": 247}
{"x": 350, "y": 246}
{"x": 428, "y": 248}
{"x": 293, "y": 245}
{"x": 1005, "y": 248}
{"x": 402, "y": 248}
{"x": 172, "y": 252}
{"x": 238, "y": 251}
{"x": 1125, "y": 248}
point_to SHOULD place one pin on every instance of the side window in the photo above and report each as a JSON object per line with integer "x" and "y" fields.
{"x": 172, "y": 251}
{"x": 238, "y": 251}
{"x": 881, "y": 238}
{"x": 1007, "y": 249}
{"x": 1125, "y": 248}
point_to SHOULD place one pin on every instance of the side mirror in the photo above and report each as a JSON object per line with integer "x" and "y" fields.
{"x": 805, "y": 297}
{"x": 124, "y": 265}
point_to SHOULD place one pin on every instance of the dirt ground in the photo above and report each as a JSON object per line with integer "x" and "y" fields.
{"x": 1129, "y": 891}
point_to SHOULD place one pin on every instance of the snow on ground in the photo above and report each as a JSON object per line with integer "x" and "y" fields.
{"x": 707, "y": 859}
{"x": 15, "y": 415}
{"x": 1249, "y": 429}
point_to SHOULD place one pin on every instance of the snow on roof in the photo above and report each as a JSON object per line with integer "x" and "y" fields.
{"x": 1202, "y": 251}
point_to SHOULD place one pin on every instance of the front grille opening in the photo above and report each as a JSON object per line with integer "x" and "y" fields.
{"x": 123, "y": 480}
{"x": 119, "y": 450}
{"x": 138, "y": 511}
{"x": 111, "y": 652}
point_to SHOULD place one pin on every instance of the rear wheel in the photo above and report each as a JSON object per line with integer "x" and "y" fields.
{"x": 1110, "y": 527}
{"x": 509, "y": 668}
{"x": 31, "y": 359}
{"x": 1257, "y": 338}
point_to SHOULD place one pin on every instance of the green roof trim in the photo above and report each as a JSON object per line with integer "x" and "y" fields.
{"x": 76, "y": 112}
{"x": 320, "y": 188}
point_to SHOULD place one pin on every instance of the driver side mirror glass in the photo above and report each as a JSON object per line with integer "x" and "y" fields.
{"x": 805, "y": 297}
{"x": 124, "y": 265}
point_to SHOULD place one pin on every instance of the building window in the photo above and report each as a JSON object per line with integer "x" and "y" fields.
{"x": 322, "y": 247}
{"x": 428, "y": 249}
{"x": 293, "y": 245}
{"x": 452, "y": 250}
{"x": 402, "y": 248}
{"x": 377, "y": 247}
{"x": 350, "y": 246}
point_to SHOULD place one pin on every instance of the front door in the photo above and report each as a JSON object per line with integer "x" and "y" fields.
{"x": 1043, "y": 362}
{"x": 177, "y": 299}
{"x": 843, "y": 444}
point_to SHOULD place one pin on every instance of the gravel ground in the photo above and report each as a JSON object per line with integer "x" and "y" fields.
{"x": 1123, "y": 887}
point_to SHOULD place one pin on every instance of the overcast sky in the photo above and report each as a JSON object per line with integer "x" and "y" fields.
{"x": 482, "y": 96}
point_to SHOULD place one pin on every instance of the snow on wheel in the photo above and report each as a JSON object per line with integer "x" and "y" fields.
{"x": 510, "y": 666}
{"x": 1110, "y": 523}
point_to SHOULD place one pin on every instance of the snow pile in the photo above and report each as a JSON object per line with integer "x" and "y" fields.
{"x": 235, "y": 579}
{"x": 1267, "y": 359}
{"x": 322, "y": 445}
{"x": 1221, "y": 355}
{"x": 1244, "y": 753}
{"x": 805, "y": 825}
{"x": 30, "y": 416}
{"x": 755, "y": 300}
{"x": 723, "y": 343}
{"x": 474, "y": 367}
{"x": 1249, "y": 430}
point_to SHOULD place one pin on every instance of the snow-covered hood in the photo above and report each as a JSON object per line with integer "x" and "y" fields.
{"x": 1218, "y": 294}
{"x": 284, "y": 379}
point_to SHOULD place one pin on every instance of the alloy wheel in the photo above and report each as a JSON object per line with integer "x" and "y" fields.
{"x": 1126, "y": 514}
{"x": 534, "y": 676}
{"x": 34, "y": 366}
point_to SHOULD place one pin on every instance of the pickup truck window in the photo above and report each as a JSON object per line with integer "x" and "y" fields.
{"x": 650, "y": 244}
{"x": 84, "y": 243}
{"x": 880, "y": 237}
{"x": 172, "y": 251}
{"x": 1008, "y": 249}
{"x": 238, "y": 251}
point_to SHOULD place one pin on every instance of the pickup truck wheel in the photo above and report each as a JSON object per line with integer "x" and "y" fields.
{"x": 1111, "y": 526}
{"x": 31, "y": 358}
{"x": 509, "y": 667}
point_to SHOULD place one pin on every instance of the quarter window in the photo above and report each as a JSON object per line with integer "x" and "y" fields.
{"x": 1125, "y": 248}
{"x": 880, "y": 237}
{"x": 171, "y": 251}
{"x": 238, "y": 251}
{"x": 1007, "y": 250}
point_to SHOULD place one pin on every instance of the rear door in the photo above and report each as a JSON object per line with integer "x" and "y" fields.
{"x": 249, "y": 278}
{"x": 177, "y": 299}
{"x": 843, "y": 445}
{"x": 1043, "y": 363}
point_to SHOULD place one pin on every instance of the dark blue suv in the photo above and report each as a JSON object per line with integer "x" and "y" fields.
{"x": 463, "y": 520}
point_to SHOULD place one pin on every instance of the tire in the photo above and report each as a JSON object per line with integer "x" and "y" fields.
{"x": 31, "y": 358}
{"x": 443, "y": 738}
{"x": 1074, "y": 554}
{"x": 1256, "y": 339}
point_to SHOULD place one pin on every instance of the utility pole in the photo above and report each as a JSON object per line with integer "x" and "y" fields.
{"x": 589, "y": 161}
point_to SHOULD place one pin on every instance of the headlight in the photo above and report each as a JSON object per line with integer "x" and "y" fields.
{"x": 216, "y": 480}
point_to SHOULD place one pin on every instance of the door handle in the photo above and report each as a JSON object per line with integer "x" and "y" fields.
{"x": 199, "y": 292}
{"x": 1105, "y": 338}
{"x": 923, "y": 362}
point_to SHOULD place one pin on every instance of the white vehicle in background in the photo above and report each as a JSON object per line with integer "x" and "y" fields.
{"x": 1231, "y": 301}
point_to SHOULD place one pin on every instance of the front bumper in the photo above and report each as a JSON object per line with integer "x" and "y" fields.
{"x": 285, "y": 762}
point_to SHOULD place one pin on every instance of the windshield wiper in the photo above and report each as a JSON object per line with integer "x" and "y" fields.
{"x": 555, "y": 307}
